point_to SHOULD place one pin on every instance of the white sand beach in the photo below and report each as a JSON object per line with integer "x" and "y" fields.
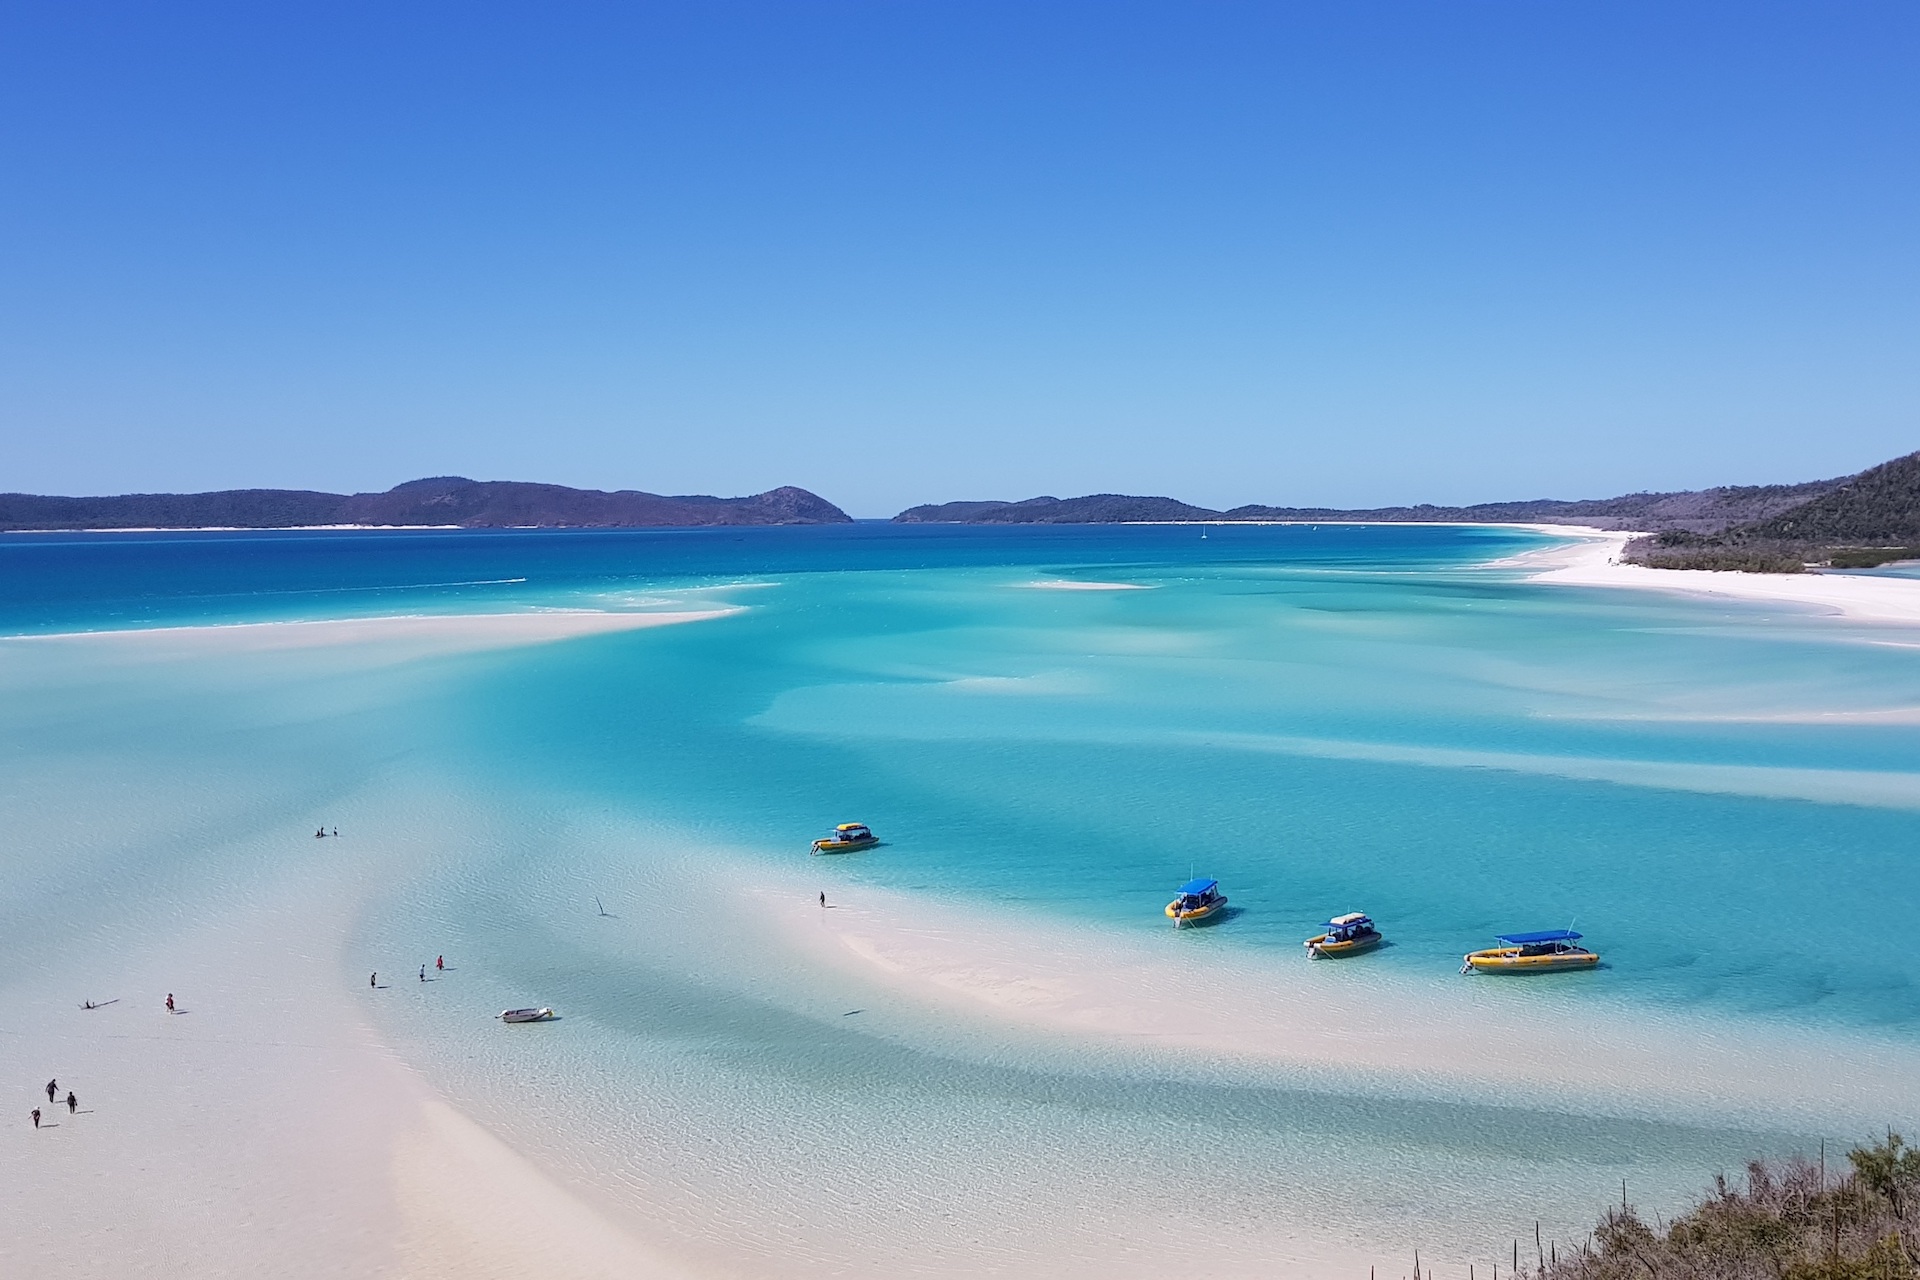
{"x": 1590, "y": 558}
{"x": 400, "y": 637}
{"x": 260, "y": 1130}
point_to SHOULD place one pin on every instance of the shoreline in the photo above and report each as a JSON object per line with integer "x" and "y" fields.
{"x": 1590, "y": 558}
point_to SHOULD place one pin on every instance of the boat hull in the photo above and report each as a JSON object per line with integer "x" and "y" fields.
{"x": 1509, "y": 960}
{"x": 1207, "y": 914}
{"x": 1318, "y": 948}
{"x": 843, "y": 846}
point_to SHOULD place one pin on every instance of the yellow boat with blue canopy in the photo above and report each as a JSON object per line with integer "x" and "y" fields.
{"x": 1345, "y": 936}
{"x": 848, "y": 837}
{"x": 1200, "y": 902}
{"x": 1544, "y": 952}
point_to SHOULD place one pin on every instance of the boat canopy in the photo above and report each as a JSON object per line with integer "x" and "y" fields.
{"x": 1351, "y": 918}
{"x": 1198, "y": 888}
{"x": 851, "y": 826}
{"x": 1548, "y": 935}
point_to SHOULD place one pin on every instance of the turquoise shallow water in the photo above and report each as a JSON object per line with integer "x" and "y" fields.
{"x": 1326, "y": 719}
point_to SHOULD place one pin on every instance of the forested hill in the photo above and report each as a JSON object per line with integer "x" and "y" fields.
{"x": 1702, "y": 510}
{"x": 1866, "y": 519}
{"x": 1880, "y": 506}
{"x": 445, "y": 500}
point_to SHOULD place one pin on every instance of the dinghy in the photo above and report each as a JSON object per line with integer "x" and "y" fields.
{"x": 528, "y": 1015}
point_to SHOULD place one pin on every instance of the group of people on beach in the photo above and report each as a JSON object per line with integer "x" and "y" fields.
{"x": 53, "y": 1086}
{"x": 53, "y": 1091}
{"x": 73, "y": 1102}
{"x": 439, "y": 966}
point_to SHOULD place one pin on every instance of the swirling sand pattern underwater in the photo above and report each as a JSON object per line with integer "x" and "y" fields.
{"x": 1327, "y": 719}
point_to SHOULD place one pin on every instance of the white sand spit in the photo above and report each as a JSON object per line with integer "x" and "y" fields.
{"x": 1591, "y": 558}
{"x": 1331, "y": 1019}
{"x": 411, "y": 634}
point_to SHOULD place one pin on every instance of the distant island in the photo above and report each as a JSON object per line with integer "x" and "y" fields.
{"x": 1699, "y": 511}
{"x": 1852, "y": 521}
{"x": 440, "y": 501}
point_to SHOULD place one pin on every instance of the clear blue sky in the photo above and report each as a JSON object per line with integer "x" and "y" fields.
{"x": 1295, "y": 253}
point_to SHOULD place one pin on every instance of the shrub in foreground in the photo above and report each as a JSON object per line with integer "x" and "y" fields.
{"x": 1793, "y": 1220}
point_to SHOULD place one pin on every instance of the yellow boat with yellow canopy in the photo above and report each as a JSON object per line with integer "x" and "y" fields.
{"x": 848, "y": 837}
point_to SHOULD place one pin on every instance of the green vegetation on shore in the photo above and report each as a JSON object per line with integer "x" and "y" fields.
{"x": 1678, "y": 549}
{"x": 1869, "y": 519}
{"x": 1792, "y": 1220}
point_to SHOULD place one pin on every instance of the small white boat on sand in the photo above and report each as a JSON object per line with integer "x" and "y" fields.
{"x": 528, "y": 1015}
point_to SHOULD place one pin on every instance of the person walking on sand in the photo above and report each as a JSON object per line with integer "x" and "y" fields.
{"x": 423, "y": 973}
{"x": 36, "y": 1117}
{"x": 52, "y": 1085}
{"x": 373, "y": 979}
{"x": 72, "y": 1102}
{"x": 169, "y": 1002}
{"x": 823, "y": 897}
{"x": 439, "y": 964}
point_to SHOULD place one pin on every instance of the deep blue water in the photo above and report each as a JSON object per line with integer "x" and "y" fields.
{"x": 71, "y": 581}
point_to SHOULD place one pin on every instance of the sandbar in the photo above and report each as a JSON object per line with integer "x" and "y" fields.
{"x": 1327, "y": 1023}
{"x": 1591, "y": 558}
{"x": 261, "y": 1129}
{"x": 400, "y": 634}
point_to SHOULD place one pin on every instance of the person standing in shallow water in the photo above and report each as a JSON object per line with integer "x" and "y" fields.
{"x": 373, "y": 979}
{"x": 439, "y": 964}
{"x": 423, "y": 973}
